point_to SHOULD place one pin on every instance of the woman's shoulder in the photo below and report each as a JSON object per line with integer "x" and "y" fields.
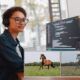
{"x": 3, "y": 38}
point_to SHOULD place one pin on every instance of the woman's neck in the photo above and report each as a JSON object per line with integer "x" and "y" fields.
{"x": 13, "y": 34}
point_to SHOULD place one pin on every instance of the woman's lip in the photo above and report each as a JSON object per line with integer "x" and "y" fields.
{"x": 21, "y": 26}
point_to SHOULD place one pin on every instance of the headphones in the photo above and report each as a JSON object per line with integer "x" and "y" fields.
{"x": 5, "y": 22}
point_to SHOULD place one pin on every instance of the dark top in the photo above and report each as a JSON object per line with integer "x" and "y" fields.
{"x": 10, "y": 62}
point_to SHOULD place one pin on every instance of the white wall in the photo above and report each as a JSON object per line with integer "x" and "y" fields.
{"x": 64, "y": 12}
{"x": 73, "y": 8}
{"x": 10, "y": 3}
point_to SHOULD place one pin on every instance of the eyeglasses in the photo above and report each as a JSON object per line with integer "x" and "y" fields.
{"x": 19, "y": 20}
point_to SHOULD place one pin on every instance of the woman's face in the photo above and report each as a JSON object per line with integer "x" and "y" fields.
{"x": 17, "y": 22}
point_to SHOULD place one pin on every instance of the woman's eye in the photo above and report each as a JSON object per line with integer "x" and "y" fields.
{"x": 17, "y": 19}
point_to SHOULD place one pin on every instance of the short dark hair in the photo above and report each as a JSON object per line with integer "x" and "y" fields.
{"x": 9, "y": 12}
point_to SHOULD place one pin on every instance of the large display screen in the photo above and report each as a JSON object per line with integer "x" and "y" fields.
{"x": 63, "y": 34}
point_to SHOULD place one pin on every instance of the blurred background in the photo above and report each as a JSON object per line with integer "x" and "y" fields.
{"x": 39, "y": 13}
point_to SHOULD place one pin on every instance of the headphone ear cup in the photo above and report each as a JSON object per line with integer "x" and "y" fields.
{"x": 6, "y": 22}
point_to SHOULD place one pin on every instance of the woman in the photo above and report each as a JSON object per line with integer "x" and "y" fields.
{"x": 11, "y": 53}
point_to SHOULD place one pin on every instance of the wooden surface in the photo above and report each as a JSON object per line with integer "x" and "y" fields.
{"x": 52, "y": 78}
